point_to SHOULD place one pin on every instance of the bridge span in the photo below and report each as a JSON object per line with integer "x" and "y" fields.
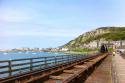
{"x": 59, "y": 69}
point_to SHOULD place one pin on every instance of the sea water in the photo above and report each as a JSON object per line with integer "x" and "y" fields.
{"x": 23, "y": 55}
{"x": 28, "y": 54}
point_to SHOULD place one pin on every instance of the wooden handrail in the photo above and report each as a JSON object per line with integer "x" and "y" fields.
{"x": 18, "y": 65}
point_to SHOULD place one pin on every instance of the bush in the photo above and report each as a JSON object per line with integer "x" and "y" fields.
{"x": 83, "y": 49}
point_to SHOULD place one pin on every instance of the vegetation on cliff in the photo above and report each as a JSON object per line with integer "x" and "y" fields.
{"x": 103, "y": 33}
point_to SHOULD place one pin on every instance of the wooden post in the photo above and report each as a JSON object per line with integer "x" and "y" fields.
{"x": 77, "y": 57}
{"x": 55, "y": 60}
{"x": 31, "y": 64}
{"x": 45, "y": 61}
{"x": 62, "y": 59}
{"x": 68, "y": 58}
{"x": 72, "y": 57}
{"x": 10, "y": 68}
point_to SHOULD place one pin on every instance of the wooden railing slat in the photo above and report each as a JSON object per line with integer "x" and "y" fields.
{"x": 32, "y": 63}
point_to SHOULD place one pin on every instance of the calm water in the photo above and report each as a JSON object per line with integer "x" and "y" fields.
{"x": 18, "y": 55}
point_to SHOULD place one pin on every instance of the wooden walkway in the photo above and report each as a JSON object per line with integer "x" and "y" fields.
{"x": 119, "y": 68}
{"x": 103, "y": 73}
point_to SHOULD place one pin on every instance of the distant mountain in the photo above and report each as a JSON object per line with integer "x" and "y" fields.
{"x": 103, "y": 33}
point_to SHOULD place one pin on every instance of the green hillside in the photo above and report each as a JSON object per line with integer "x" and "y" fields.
{"x": 105, "y": 33}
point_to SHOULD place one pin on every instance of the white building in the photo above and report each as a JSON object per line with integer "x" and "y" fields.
{"x": 64, "y": 49}
{"x": 96, "y": 44}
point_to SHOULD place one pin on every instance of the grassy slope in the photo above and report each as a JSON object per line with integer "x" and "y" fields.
{"x": 116, "y": 33}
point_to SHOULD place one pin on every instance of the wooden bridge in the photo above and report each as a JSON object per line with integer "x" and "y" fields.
{"x": 52, "y": 69}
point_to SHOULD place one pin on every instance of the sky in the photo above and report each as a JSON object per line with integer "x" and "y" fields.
{"x": 52, "y": 23}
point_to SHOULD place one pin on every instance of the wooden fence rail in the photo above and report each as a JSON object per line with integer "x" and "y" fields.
{"x": 18, "y": 66}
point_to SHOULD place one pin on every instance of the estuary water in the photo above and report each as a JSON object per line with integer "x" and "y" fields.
{"x": 20, "y": 55}
{"x": 23, "y": 55}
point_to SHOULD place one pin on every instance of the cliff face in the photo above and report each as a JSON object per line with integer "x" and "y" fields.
{"x": 103, "y": 33}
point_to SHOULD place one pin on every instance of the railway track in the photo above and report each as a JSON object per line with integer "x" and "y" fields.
{"x": 70, "y": 72}
{"x": 77, "y": 73}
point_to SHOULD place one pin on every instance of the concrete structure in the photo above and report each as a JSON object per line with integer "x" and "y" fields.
{"x": 119, "y": 69}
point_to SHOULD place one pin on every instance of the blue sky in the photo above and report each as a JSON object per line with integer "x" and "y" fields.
{"x": 51, "y": 23}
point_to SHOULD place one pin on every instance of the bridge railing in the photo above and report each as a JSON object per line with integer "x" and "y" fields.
{"x": 18, "y": 66}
